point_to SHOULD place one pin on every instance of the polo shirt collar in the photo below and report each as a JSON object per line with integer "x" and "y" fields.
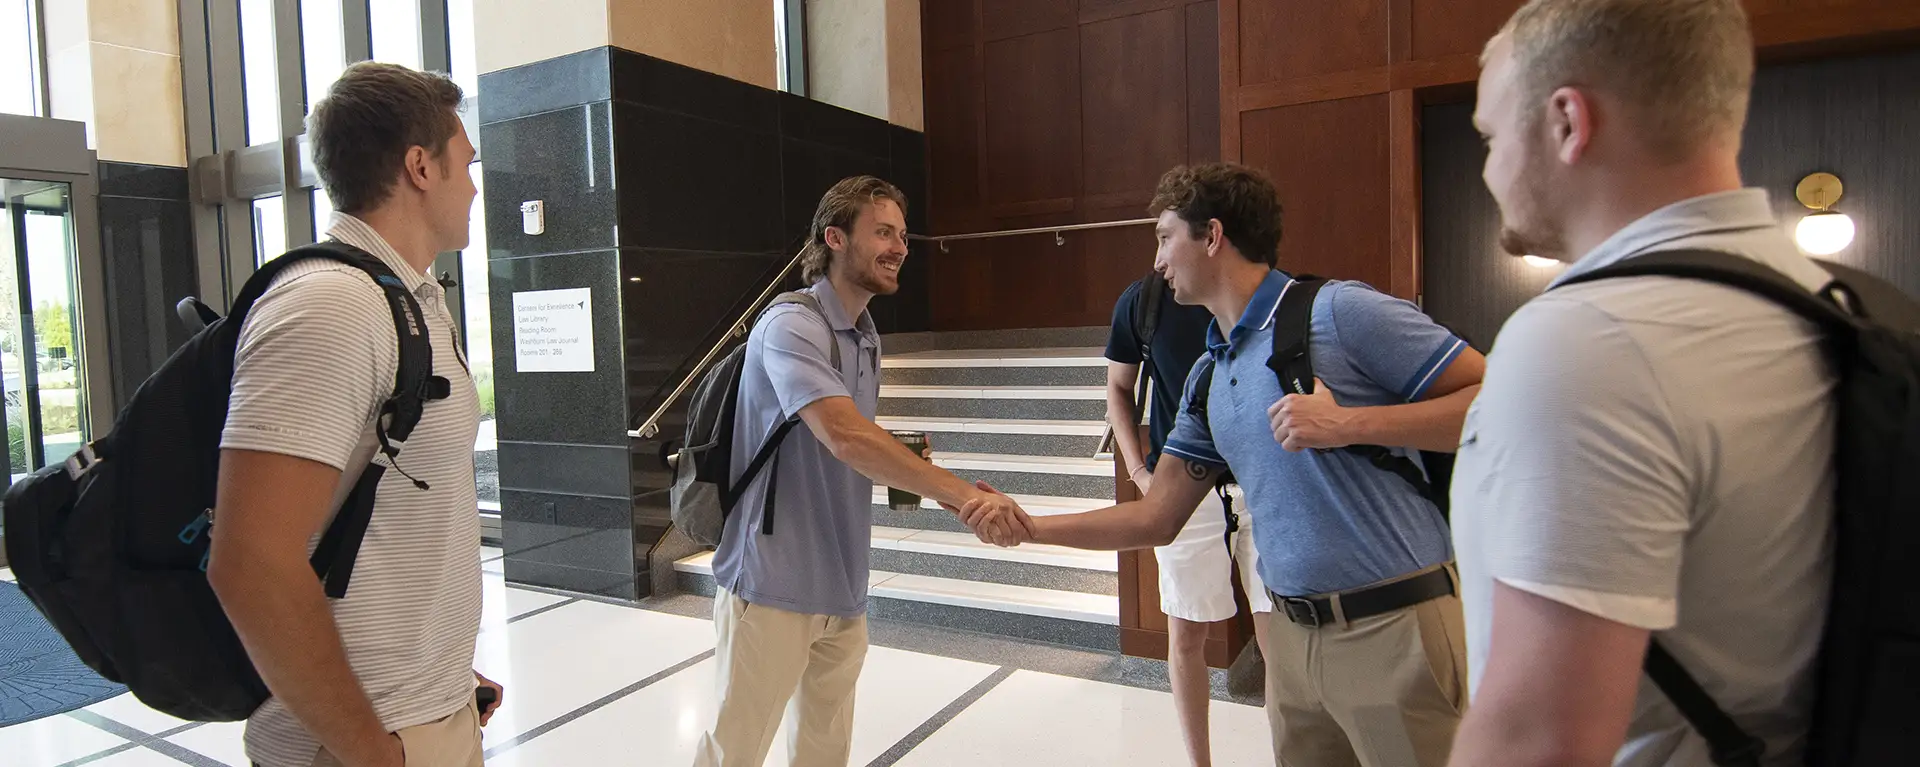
{"x": 836, "y": 311}
{"x": 352, "y": 231}
{"x": 1259, "y": 313}
{"x": 1721, "y": 212}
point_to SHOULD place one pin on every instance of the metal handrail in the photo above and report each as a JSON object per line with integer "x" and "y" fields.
{"x": 1059, "y": 238}
{"x": 651, "y": 428}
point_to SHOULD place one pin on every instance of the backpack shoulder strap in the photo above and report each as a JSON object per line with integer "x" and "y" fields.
{"x": 808, "y": 300}
{"x": 1292, "y": 331}
{"x": 1727, "y": 743}
{"x": 769, "y": 450}
{"x": 1146, "y": 311}
{"x": 1736, "y": 272}
{"x": 1292, "y": 361}
{"x": 414, "y": 386}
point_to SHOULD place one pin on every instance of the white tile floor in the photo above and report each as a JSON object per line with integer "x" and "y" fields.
{"x": 559, "y": 656}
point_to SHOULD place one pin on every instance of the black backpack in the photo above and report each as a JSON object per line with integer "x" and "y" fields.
{"x": 1146, "y": 322}
{"x": 704, "y": 487}
{"x": 1292, "y": 334}
{"x": 112, "y": 545}
{"x": 1868, "y": 685}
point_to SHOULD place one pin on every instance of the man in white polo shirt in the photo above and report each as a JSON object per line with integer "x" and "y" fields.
{"x": 383, "y": 677}
{"x": 1650, "y": 457}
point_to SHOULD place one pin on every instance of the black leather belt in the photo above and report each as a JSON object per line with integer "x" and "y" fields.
{"x": 1366, "y": 602}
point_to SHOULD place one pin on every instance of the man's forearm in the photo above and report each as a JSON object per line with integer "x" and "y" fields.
{"x": 1433, "y": 424}
{"x": 1130, "y": 525}
{"x": 279, "y": 610}
{"x": 881, "y": 458}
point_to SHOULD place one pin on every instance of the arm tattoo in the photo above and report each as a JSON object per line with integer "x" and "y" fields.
{"x": 1199, "y": 472}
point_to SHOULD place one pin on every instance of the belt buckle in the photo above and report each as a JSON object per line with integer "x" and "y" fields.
{"x": 1302, "y": 611}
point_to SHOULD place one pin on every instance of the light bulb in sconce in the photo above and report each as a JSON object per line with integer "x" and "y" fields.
{"x": 1540, "y": 262}
{"x": 1825, "y": 231}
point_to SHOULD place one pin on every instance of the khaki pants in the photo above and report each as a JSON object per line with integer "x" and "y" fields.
{"x": 1382, "y": 691}
{"x": 763, "y": 655}
{"x": 450, "y": 742}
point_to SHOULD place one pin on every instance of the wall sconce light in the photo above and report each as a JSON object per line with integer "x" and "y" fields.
{"x": 1540, "y": 262}
{"x": 1825, "y": 231}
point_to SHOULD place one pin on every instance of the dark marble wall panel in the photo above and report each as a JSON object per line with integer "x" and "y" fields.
{"x": 146, "y": 247}
{"x": 691, "y": 183}
{"x": 571, "y": 542}
{"x": 668, "y": 326}
{"x": 564, "y": 158}
{"x": 560, "y": 83}
{"x": 1853, "y": 117}
{"x": 642, "y": 79}
{"x": 675, "y": 195}
{"x": 569, "y": 408}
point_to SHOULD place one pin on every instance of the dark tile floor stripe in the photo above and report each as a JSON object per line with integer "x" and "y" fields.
{"x": 539, "y": 610}
{"x": 115, "y": 751}
{"x": 597, "y": 705}
{"x": 939, "y": 720}
{"x": 181, "y": 729}
{"x": 155, "y": 742}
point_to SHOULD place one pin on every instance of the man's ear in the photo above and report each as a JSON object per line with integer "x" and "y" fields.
{"x": 419, "y": 167}
{"x": 1216, "y": 236}
{"x": 1571, "y": 119}
{"x": 836, "y": 238}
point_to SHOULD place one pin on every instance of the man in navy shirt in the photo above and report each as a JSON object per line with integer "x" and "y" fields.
{"x": 1367, "y": 665}
{"x": 1196, "y": 570}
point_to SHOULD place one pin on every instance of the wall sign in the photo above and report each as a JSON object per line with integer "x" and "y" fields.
{"x": 553, "y": 331}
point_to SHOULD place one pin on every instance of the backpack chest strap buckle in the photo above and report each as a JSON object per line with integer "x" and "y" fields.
{"x": 82, "y": 461}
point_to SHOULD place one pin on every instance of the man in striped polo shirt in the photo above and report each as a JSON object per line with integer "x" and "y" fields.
{"x": 383, "y": 677}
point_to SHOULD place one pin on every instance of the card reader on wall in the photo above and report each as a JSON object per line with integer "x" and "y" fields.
{"x": 533, "y": 216}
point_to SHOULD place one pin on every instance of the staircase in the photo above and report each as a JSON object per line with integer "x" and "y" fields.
{"x": 1026, "y": 416}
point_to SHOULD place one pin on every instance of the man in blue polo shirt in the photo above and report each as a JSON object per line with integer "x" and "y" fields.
{"x": 1367, "y": 639}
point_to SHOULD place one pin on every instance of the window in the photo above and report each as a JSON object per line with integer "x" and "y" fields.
{"x": 323, "y": 47}
{"x": 258, "y": 72}
{"x": 396, "y": 31}
{"x": 479, "y": 338}
{"x": 269, "y": 229}
{"x": 322, "y": 213}
{"x": 19, "y": 70}
{"x": 460, "y": 48}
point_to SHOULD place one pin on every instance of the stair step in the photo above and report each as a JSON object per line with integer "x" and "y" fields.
{"x": 930, "y": 516}
{"x": 1025, "y": 464}
{"x": 991, "y": 597}
{"x": 936, "y": 425}
{"x": 964, "y": 545}
{"x": 1098, "y": 393}
{"x": 999, "y": 358}
{"x": 1006, "y": 436}
{"x": 1037, "y": 505}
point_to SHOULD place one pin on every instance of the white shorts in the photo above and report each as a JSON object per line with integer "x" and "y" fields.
{"x": 1196, "y": 570}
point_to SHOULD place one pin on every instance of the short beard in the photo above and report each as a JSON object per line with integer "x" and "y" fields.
{"x": 868, "y": 282}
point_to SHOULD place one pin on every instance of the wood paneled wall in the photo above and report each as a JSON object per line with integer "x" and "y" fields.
{"x": 1851, "y": 116}
{"x": 1049, "y": 112}
{"x": 1327, "y": 98}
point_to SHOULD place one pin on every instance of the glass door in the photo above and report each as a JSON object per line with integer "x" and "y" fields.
{"x": 45, "y": 399}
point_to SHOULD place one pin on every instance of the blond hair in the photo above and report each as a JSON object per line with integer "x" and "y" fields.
{"x": 1684, "y": 67}
{"x": 838, "y": 209}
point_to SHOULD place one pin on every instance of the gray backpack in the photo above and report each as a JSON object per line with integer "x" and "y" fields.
{"x": 704, "y": 487}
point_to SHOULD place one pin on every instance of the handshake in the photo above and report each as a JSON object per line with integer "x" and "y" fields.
{"x": 994, "y": 517}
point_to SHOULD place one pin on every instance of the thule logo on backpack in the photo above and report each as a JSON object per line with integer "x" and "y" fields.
{"x": 413, "y": 322}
